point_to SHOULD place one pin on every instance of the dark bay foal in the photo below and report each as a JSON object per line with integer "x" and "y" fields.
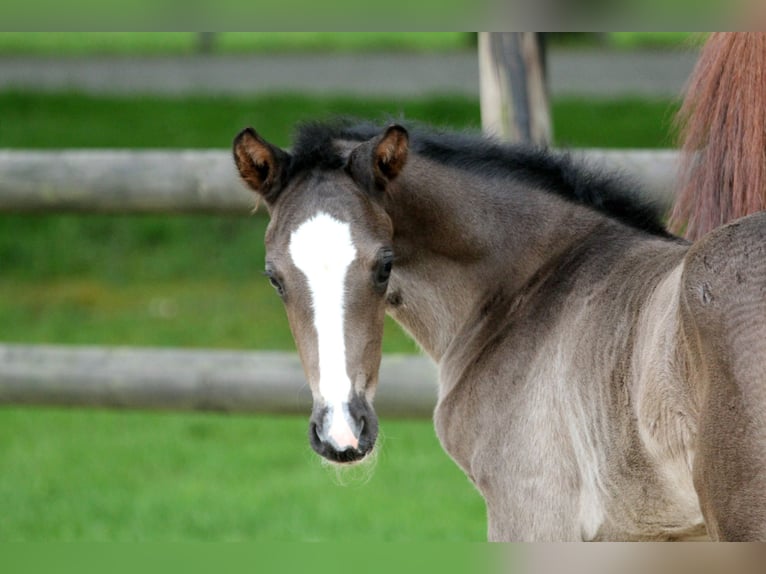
{"x": 600, "y": 379}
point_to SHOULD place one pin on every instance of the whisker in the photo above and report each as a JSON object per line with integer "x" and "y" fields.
{"x": 355, "y": 474}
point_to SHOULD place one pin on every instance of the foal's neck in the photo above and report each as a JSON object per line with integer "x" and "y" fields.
{"x": 458, "y": 238}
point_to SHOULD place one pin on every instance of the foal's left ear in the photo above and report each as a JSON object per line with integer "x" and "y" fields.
{"x": 379, "y": 160}
{"x": 390, "y": 153}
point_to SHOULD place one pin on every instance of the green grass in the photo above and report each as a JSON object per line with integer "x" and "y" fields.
{"x": 179, "y": 43}
{"x": 159, "y": 43}
{"x": 632, "y": 40}
{"x": 51, "y": 121}
{"x": 90, "y": 475}
{"x": 624, "y": 123}
{"x": 196, "y": 281}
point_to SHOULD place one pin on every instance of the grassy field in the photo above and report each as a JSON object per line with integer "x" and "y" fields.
{"x": 156, "y": 43}
{"x": 196, "y": 281}
{"x": 165, "y": 43}
{"x": 51, "y": 121}
{"x": 89, "y": 475}
{"x": 632, "y": 40}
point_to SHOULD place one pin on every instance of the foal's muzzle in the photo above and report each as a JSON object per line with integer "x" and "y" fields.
{"x": 343, "y": 433}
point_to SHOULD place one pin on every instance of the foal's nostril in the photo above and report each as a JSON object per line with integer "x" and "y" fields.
{"x": 362, "y": 424}
{"x": 315, "y": 433}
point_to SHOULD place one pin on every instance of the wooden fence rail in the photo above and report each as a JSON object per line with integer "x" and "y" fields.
{"x": 122, "y": 181}
{"x": 185, "y": 379}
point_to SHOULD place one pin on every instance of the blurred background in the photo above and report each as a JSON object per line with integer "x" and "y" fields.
{"x": 195, "y": 281}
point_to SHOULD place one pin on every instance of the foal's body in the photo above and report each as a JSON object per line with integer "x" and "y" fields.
{"x": 599, "y": 379}
{"x": 551, "y": 347}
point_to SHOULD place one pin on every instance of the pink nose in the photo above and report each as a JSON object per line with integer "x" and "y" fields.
{"x": 342, "y": 435}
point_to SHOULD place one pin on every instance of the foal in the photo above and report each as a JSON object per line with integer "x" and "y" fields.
{"x": 599, "y": 379}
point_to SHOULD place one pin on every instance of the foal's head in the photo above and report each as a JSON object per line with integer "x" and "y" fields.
{"x": 329, "y": 256}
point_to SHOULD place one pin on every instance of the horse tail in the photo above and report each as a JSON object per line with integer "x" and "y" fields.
{"x": 722, "y": 133}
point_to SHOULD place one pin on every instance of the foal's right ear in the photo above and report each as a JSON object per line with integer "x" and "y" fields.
{"x": 261, "y": 165}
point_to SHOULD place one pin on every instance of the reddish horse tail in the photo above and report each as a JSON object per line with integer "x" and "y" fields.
{"x": 723, "y": 135}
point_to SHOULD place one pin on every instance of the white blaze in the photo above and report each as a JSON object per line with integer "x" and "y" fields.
{"x": 322, "y": 249}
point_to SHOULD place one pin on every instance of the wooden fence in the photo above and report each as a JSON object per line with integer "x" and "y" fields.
{"x": 196, "y": 182}
{"x": 185, "y": 379}
{"x": 124, "y": 181}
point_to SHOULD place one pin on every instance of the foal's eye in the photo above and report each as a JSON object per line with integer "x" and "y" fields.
{"x": 383, "y": 271}
{"x": 276, "y": 283}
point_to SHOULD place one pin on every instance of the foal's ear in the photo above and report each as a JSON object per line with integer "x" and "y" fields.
{"x": 379, "y": 160}
{"x": 261, "y": 165}
{"x": 390, "y": 153}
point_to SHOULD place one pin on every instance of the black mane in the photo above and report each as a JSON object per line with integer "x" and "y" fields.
{"x": 556, "y": 173}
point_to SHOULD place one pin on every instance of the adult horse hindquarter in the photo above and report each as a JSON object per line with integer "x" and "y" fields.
{"x": 598, "y": 378}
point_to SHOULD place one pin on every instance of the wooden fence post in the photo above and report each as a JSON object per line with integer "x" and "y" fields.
{"x": 514, "y": 92}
